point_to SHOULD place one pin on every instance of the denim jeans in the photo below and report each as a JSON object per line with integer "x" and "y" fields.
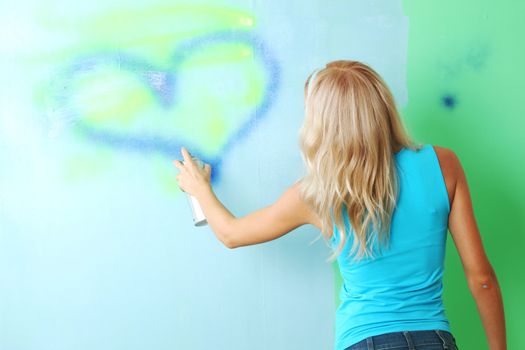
{"x": 408, "y": 340}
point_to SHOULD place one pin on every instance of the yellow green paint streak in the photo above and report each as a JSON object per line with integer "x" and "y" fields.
{"x": 153, "y": 30}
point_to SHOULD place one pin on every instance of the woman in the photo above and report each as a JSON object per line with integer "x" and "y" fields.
{"x": 383, "y": 204}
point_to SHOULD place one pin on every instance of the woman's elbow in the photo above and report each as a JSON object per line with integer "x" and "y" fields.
{"x": 229, "y": 241}
{"x": 229, "y": 244}
{"x": 225, "y": 234}
{"x": 483, "y": 280}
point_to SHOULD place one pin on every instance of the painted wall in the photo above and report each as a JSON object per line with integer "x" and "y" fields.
{"x": 97, "y": 245}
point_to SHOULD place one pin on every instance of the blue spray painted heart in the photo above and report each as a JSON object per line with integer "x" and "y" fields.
{"x": 163, "y": 86}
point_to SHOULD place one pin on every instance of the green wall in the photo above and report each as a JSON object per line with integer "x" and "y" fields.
{"x": 465, "y": 73}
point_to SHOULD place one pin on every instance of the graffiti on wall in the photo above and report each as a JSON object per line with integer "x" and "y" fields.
{"x": 208, "y": 89}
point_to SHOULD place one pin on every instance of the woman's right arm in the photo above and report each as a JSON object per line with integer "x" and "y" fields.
{"x": 480, "y": 275}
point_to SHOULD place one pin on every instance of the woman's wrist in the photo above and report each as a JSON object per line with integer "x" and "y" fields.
{"x": 205, "y": 191}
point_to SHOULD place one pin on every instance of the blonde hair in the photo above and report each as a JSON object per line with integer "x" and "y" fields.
{"x": 350, "y": 131}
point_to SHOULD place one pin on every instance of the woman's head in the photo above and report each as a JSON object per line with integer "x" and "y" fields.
{"x": 350, "y": 133}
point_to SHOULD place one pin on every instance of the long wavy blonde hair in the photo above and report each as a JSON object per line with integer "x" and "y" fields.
{"x": 350, "y": 132}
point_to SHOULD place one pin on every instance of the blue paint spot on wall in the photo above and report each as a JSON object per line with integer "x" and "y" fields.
{"x": 449, "y": 101}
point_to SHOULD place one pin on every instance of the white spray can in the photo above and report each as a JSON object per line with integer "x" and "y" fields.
{"x": 198, "y": 215}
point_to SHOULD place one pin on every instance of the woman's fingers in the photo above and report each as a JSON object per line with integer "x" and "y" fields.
{"x": 178, "y": 164}
{"x": 187, "y": 158}
{"x": 191, "y": 177}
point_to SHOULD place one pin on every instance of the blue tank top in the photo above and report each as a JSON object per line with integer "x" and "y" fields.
{"x": 401, "y": 288}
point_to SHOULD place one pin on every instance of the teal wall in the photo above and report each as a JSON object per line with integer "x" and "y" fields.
{"x": 97, "y": 245}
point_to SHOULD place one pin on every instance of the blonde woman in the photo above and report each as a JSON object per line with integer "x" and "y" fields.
{"x": 383, "y": 204}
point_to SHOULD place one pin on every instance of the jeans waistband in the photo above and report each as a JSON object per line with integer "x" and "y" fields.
{"x": 410, "y": 340}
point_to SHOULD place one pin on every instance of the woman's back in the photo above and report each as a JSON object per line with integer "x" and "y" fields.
{"x": 400, "y": 288}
